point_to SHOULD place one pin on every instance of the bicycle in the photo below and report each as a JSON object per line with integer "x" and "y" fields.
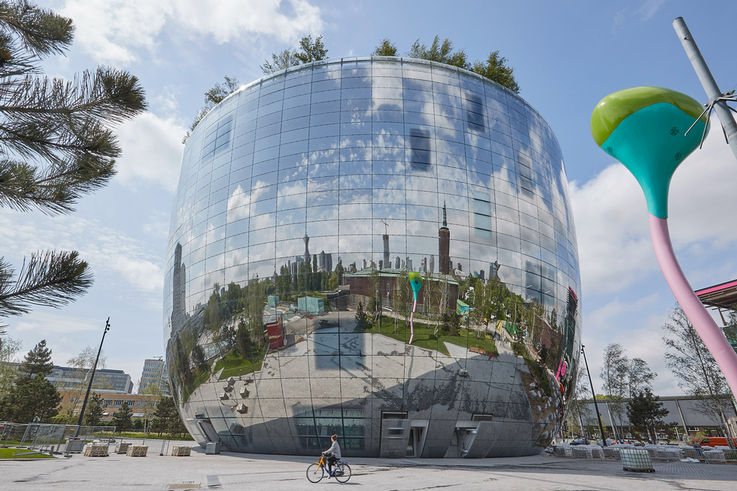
{"x": 341, "y": 471}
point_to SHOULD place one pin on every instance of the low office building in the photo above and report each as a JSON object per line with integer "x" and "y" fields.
{"x": 142, "y": 405}
{"x": 69, "y": 378}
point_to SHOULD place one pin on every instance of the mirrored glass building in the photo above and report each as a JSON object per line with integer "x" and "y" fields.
{"x": 305, "y": 200}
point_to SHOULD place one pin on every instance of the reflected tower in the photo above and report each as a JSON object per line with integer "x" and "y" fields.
{"x": 444, "y": 245}
{"x": 178, "y": 290}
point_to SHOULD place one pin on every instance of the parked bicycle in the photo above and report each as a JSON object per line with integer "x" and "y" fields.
{"x": 341, "y": 471}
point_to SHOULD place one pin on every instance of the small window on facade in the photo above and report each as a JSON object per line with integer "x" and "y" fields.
{"x": 419, "y": 142}
{"x": 481, "y": 205}
{"x": 475, "y": 112}
{"x": 217, "y": 137}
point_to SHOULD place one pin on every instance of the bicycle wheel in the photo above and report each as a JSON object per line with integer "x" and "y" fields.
{"x": 315, "y": 473}
{"x": 342, "y": 472}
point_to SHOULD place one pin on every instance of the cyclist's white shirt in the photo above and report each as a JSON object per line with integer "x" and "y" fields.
{"x": 335, "y": 450}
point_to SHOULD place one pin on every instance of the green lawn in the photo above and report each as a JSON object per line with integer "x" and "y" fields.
{"x": 234, "y": 364}
{"x": 425, "y": 337}
{"x": 13, "y": 453}
{"x": 153, "y": 436}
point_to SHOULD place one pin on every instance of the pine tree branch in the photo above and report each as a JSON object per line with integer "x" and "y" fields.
{"x": 41, "y": 31}
{"x": 108, "y": 94}
{"x": 47, "y": 278}
{"x": 53, "y": 191}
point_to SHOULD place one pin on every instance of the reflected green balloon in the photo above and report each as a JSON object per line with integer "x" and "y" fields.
{"x": 644, "y": 128}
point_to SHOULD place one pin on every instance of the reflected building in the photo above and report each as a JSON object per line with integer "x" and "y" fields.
{"x": 380, "y": 164}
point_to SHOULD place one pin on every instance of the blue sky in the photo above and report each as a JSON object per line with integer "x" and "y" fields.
{"x": 566, "y": 55}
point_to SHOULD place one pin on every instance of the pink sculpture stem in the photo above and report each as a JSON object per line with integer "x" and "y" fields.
{"x": 411, "y": 322}
{"x": 703, "y": 323}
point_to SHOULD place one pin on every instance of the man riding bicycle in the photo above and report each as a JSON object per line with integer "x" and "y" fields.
{"x": 332, "y": 454}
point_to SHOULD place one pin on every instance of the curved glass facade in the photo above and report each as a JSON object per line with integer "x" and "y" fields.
{"x": 306, "y": 199}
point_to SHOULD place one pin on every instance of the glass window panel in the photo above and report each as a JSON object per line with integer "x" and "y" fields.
{"x": 294, "y": 148}
{"x": 352, "y": 167}
{"x": 264, "y": 167}
{"x": 323, "y": 143}
{"x": 324, "y": 198}
{"x": 288, "y": 201}
{"x": 266, "y": 154}
{"x": 294, "y": 135}
{"x": 381, "y": 116}
{"x": 292, "y": 112}
{"x": 286, "y": 217}
{"x": 324, "y": 130}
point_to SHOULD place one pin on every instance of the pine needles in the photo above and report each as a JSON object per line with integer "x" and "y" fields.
{"x": 56, "y": 144}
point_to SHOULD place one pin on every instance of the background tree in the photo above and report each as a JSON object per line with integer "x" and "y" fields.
{"x": 362, "y": 319}
{"x": 308, "y": 50}
{"x": 614, "y": 375}
{"x": 56, "y": 144}
{"x": 8, "y": 370}
{"x": 401, "y": 299}
{"x": 122, "y": 418}
{"x": 645, "y": 412}
{"x": 32, "y": 396}
{"x": 167, "y": 419}
{"x": 639, "y": 377}
{"x": 93, "y": 412}
{"x": 385, "y": 48}
{"x": 83, "y": 363}
{"x": 694, "y": 367}
{"x": 579, "y": 412}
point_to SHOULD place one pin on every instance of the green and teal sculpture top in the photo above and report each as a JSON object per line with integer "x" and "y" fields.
{"x": 644, "y": 128}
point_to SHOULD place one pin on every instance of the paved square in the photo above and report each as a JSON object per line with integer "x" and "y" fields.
{"x": 233, "y": 471}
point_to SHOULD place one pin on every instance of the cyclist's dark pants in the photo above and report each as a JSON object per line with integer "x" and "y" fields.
{"x": 332, "y": 459}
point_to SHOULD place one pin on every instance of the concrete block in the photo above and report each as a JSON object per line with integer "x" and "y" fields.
{"x": 137, "y": 450}
{"x": 96, "y": 450}
{"x": 181, "y": 451}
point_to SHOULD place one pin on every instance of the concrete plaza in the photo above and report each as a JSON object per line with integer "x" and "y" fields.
{"x": 231, "y": 471}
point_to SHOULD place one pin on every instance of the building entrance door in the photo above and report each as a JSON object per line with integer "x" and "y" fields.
{"x": 416, "y": 440}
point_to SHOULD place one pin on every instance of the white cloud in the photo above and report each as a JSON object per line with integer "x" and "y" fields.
{"x": 113, "y": 31}
{"x": 106, "y": 249}
{"x": 152, "y": 151}
{"x": 46, "y": 324}
{"x": 612, "y": 225}
{"x": 648, "y": 9}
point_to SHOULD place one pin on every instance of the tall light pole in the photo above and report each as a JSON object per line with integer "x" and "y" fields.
{"x": 593, "y": 393}
{"x": 717, "y": 100}
{"x": 92, "y": 377}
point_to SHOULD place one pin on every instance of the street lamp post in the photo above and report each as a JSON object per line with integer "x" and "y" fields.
{"x": 593, "y": 393}
{"x": 92, "y": 377}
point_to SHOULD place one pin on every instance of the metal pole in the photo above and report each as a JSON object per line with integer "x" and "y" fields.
{"x": 593, "y": 393}
{"x": 92, "y": 377}
{"x": 707, "y": 81}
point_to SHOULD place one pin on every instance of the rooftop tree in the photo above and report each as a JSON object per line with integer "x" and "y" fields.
{"x": 309, "y": 50}
{"x": 495, "y": 67}
{"x": 56, "y": 144}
